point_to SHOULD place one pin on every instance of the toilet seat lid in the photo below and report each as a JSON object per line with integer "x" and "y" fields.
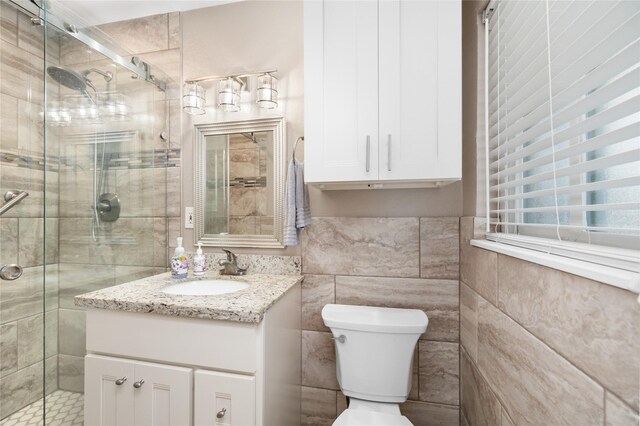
{"x": 351, "y": 417}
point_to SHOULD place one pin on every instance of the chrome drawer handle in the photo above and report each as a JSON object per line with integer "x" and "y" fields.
{"x": 121, "y": 381}
{"x": 138, "y": 384}
{"x": 221, "y": 413}
{"x": 342, "y": 338}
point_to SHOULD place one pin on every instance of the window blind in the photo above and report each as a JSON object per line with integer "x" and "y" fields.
{"x": 563, "y": 109}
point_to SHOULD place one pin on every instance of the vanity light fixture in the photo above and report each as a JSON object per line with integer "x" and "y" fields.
{"x": 194, "y": 99}
{"x": 229, "y": 94}
{"x": 229, "y": 88}
{"x": 267, "y": 92}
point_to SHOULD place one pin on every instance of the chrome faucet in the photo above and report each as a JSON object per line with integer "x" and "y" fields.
{"x": 230, "y": 266}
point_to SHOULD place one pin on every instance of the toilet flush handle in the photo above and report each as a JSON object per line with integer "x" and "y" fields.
{"x": 342, "y": 338}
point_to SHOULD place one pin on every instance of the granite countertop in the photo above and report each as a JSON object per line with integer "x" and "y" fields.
{"x": 145, "y": 296}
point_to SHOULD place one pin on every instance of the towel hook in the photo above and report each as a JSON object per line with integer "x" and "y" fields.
{"x": 295, "y": 146}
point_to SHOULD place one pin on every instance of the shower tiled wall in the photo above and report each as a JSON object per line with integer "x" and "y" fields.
{"x": 23, "y": 353}
{"x": 403, "y": 262}
{"x": 541, "y": 346}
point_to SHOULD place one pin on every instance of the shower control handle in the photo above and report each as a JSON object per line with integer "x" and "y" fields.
{"x": 119, "y": 382}
{"x": 138, "y": 384}
{"x": 10, "y": 272}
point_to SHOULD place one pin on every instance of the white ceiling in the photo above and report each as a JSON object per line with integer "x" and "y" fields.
{"x": 96, "y": 12}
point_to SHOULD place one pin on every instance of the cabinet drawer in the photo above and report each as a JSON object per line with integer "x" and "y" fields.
{"x": 223, "y": 399}
{"x": 223, "y": 345}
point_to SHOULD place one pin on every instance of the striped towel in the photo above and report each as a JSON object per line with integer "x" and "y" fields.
{"x": 298, "y": 213}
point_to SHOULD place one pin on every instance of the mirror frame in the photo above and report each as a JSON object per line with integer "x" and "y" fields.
{"x": 276, "y": 125}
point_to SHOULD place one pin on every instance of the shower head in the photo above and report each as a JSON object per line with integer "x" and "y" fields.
{"x": 68, "y": 78}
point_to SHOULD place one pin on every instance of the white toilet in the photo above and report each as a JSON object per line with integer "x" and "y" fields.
{"x": 374, "y": 354}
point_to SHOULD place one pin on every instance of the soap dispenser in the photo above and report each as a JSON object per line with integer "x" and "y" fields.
{"x": 199, "y": 261}
{"x": 179, "y": 262}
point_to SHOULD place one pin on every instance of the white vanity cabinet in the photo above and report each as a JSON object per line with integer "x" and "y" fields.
{"x": 382, "y": 93}
{"x": 126, "y": 392}
{"x": 149, "y": 369}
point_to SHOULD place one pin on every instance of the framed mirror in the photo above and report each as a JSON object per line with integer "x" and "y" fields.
{"x": 239, "y": 183}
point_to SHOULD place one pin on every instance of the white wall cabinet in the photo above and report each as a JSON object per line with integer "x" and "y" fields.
{"x": 382, "y": 93}
{"x": 123, "y": 392}
{"x": 194, "y": 368}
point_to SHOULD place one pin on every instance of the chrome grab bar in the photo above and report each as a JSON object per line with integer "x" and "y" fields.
{"x": 12, "y": 197}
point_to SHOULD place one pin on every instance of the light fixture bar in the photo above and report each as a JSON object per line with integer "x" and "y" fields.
{"x": 234, "y": 76}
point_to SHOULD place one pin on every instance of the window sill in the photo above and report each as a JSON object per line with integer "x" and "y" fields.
{"x": 613, "y": 276}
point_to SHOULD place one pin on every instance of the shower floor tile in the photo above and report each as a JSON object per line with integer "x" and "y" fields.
{"x": 63, "y": 409}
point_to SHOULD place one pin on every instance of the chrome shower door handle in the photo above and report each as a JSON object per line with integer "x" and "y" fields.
{"x": 389, "y": 153}
{"x": 368, "y": 162}
{"x": 10, "y": 272}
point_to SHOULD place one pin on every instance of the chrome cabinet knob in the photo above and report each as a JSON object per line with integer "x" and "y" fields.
{"x": 11, "y": 272}
{"x": 138, "y": 384}
{"x": 121, "y": 381}
{"x": 221, "y": 413}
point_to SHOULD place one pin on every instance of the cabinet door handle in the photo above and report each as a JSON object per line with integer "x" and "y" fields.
{"x": 221, "y": 413}
{"x": 389, "y": 153}
{"x": 368, "y": 163}
{"x": 138, "y": 384}
{"x": 121, "y": 381}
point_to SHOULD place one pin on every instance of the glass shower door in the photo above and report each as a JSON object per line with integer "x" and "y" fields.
{"x": 29, "y": 229}
{"x": 86, "y": 139}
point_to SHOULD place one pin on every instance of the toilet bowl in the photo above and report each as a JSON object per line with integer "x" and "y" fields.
{"x": 374, "y": 358}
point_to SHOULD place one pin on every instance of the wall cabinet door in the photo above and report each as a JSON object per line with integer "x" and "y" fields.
{"x": 108, "y": 399}
{"x": 341, "y": 91}
{"x": 121, "y": 392}
{"x": 163, "y": 396}
{"x": 420, "y": 49}
{"x": 224, "y": 399}
{"x": 416, "y": 134}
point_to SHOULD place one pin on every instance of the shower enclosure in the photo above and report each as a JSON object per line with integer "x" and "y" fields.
{"x": 83, "y": 145}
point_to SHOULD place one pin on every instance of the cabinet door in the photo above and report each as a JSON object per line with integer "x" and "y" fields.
{"x": 341, "y": 91}
{"x": 420, "y": 78}
{"x": 108, "y": 398}
{"x": 224, "y": 399}
{"x": 162, "y": 395}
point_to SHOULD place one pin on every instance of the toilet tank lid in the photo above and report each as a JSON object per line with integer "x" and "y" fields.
{"x": 369, "y": 318}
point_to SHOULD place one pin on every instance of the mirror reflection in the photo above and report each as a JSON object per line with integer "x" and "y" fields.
{"x": 239, "y": 180}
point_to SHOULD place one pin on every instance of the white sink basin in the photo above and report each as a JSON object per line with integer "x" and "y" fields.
{"x": 205, "y": 287}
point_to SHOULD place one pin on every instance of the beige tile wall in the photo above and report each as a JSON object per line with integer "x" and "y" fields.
{"x": 404, "y": 262}
{"x": 540, "y": 346}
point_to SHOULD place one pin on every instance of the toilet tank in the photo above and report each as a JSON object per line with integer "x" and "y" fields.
{"x": 374, "y": 360}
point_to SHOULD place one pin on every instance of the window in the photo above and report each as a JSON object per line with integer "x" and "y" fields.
{"x": 563, "y": 128}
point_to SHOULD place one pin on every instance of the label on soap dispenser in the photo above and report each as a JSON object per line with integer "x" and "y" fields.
{"x": 199, "y": 264}
{"x": 179, "y": 266}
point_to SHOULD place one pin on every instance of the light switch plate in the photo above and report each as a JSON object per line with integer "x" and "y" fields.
{"x": 188, "y": 217}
